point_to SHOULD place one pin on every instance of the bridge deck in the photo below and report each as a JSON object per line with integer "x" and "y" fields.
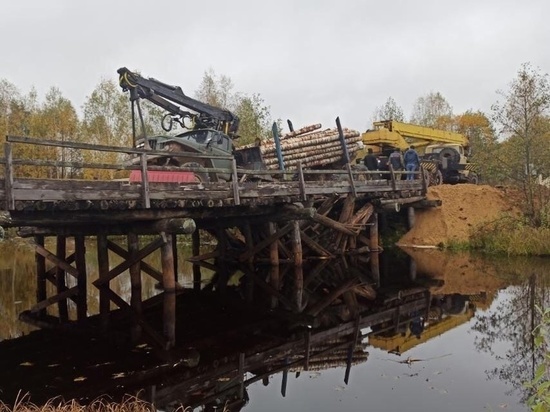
{"x": 31, "y": 201}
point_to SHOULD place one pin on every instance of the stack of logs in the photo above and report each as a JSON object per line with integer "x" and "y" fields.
{"x": 310, "y": 146}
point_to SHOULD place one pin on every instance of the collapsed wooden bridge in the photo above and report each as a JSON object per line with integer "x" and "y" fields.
{"x": 256, "y": 217}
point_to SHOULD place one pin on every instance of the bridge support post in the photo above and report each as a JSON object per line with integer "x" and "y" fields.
{"x": 196, "y": 250}
{"x": 169, "y": 286}
{"x": 135, "y": 282}
{"x": 411, "y": 217}
{"x": 103, "y": 268}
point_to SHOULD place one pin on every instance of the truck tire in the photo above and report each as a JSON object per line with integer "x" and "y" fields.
{"x": 473, "y": 178}
{"x": 200, "y": 177}
{"x": 437, "y": 178}
{"x": 450, "y": 154}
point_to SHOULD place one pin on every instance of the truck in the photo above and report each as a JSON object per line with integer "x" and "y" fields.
{"x": 208, "y": 136}
{"x": 444, "y": 154}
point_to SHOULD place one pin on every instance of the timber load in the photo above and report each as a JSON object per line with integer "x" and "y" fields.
{"x": 311, "y": 146}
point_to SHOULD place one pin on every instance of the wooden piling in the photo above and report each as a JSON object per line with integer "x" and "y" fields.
{"x": 273, "y": 247}
{"x": 411, "y": 217}
{"x": 80, "y": 261}
{"x": 135, "y": 282}
{"x": 169, "y": 285}
{"x": 103, "y": 268}
{"x": 196, "y": 250}
{"x": 40, "y": 260}
{"x": 61, "y": 252}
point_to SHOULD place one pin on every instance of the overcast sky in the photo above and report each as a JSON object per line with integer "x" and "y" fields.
{"x": 310, "y": 60}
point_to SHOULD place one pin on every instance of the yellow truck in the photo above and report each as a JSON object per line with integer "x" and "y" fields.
{"x": 444, "y": 154}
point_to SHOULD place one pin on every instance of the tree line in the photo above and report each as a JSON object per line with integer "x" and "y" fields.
{"x": 510, "y": 145}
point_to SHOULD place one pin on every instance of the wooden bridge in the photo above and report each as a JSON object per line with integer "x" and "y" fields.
{"x": 256, "y": 217}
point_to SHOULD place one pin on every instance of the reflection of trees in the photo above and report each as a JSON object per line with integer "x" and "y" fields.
{"x": 512, "y": 323}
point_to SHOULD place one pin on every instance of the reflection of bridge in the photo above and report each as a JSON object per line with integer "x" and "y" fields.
{"x": 231, "y": 342}
{"x": 293, "y": 217}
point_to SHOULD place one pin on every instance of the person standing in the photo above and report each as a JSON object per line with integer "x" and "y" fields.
{"x": 396, "y": 160}
{"x": 371, "y": 162}
{"x": 412, "y": 162}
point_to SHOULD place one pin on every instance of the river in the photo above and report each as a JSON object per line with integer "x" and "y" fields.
{"x": 462, "y": 343}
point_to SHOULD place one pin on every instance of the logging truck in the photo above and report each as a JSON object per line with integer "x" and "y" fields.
{"x": 207, "y": 142}
{"x": 444, "y": 154}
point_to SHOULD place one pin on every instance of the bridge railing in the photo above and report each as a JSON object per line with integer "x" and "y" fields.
{"x": 12, "y": 169}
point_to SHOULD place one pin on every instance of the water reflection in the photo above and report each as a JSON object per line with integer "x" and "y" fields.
{"x": 246, "y": 326}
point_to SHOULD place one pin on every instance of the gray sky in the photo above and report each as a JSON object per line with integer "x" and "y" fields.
{"x": 310, "y": 60}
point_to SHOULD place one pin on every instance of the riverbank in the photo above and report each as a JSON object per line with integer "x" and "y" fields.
{"x": 465, "y": 212}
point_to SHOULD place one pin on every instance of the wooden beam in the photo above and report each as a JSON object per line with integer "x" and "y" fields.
{"x": 146, "y": 251}
{"x": 39, "y": 248}
{"x": 80, "y": 262}
{"x": 103, "y": 269}
{"x": 266, "y": 242}
{"x": 196, "y": 250}
{"x": 60, "y": 297}
{"x": 8, "y": 177}
{"x": 326, "y": 221}
{"x": 144, "y": 266}
{"x": 61, "y": 252}
{"x": 135, "y": 281}
{"x": 41, "y": 292}
{"x": 169, "y": 285}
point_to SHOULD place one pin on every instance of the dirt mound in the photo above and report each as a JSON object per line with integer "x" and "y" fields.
{"x": 464, "y": 207}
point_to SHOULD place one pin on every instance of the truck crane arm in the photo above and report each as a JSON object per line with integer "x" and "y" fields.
{"x": 165, "y": 95}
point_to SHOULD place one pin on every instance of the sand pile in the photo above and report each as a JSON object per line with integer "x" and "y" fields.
{"x": 464, "y": 208}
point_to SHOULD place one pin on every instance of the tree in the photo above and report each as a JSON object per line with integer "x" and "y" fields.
{"x": 255, "y": 119}
{"x": 432, "y": 110}
{"x": 522, "y": 117}
{"x": 107, "y": 121}
{"x": 254, "y": 115}
{"x": 389, "y": 111}
{"x": 483, "y": 143}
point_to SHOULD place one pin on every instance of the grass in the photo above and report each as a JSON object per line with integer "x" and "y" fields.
{"x": 129, "y": 404}
{"x": 507, "y": 236}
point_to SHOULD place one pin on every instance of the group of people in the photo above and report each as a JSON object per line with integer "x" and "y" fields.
{"x": 409, "y": 161}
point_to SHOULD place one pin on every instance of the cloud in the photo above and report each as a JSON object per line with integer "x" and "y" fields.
{"x": 310, "y": 60}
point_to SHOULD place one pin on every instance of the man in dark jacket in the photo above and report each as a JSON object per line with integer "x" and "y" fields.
{"x": 412, "y": 162}
{"x": 396, "y": 160}
{"x": 371, "y": 162}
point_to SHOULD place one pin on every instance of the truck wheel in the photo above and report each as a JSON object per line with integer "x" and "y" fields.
{"x": 437, "y": 178}
{"x": 200, "y": 177}
{"x": 473, "y": 178}
{"x": 450, "y": 154}
{"x": 427, "y": 177}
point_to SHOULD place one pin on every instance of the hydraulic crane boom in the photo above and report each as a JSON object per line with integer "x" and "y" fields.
{"x": 165, "y": 95}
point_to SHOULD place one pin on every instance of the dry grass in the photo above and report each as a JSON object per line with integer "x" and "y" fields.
{"x": 128, "y": 404}
{"x": 512, "y": 237}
